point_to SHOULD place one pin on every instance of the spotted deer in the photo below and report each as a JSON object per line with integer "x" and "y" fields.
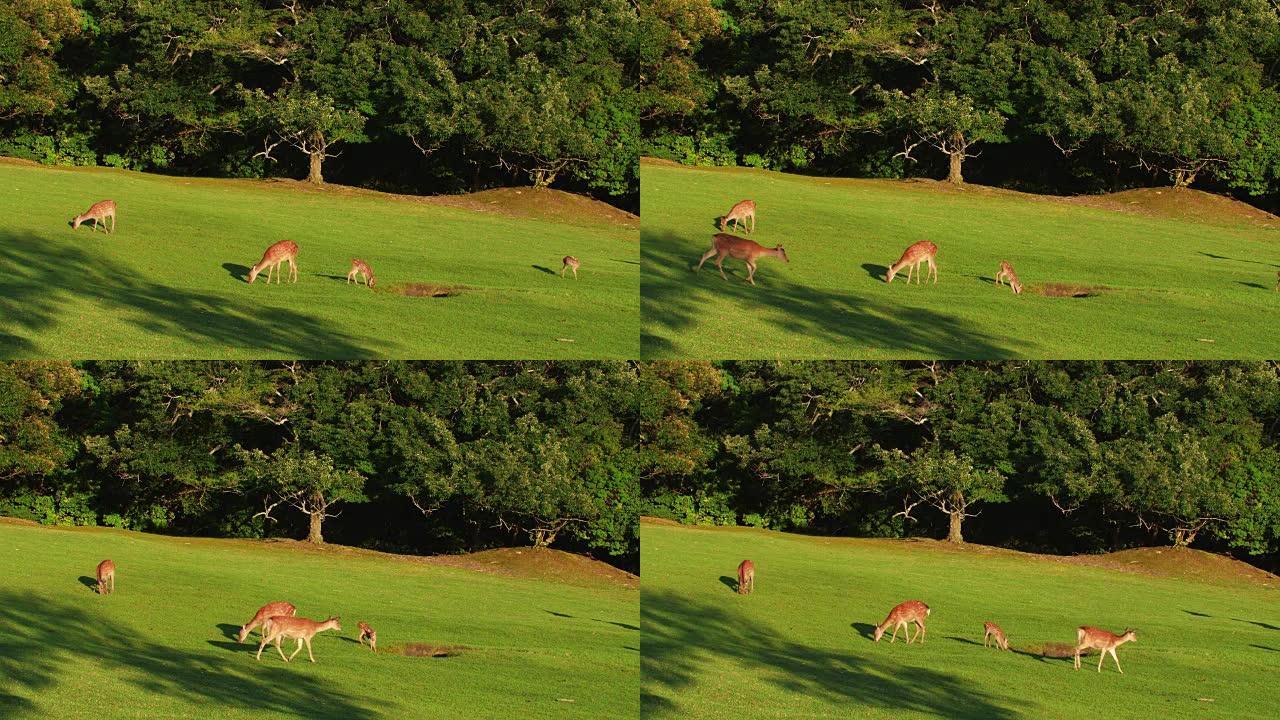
{"x": 265, "y": 613}
{"x": 300, "y": 629}
{"x": 106, "y": 575}
{"x": 570, "y": 263}
{"x": 723, "y": 246}
{"x": 746, "y": 577}
{"x": 738, "y": 213}
{"x": 368, "y": 633}
{"x": 1088, "y": 638}
{"x": 993, "y": 631}
{"x": 358, "y": 268}
{"x": 1006, "y": 272}
{"x": 923, "y": 251}
{"x": 98, "y": 213}
{"x": 283, "y": 251}
{"x": 911, "y": 611}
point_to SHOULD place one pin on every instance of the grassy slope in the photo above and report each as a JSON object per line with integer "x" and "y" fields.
{"x": 162, "y": 645}
{"x": 171, "y": 283}
{"x": 1174, "y": 281}
{"x": 798, "y": 647}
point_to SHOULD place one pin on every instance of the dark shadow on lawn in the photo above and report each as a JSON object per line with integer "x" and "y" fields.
{"x": 731, "y": 583}
{"x": 38, "y": 640}
{"x": 237, "y": 271}
{"x": 91, "y": 583}
{"x": 1252, "y": 262}
{"x": 544, "y": 269}
{"x": 615, "y": 623}
{"x": 1197, "y": 614}
{"x": 1258, "y": 286}
{"x": 232, "y": 632}
{"x": 625, "y": 262}
{"x": 866, "y": 630}
{"x": 966, "y": 641}
{"x": 1264, "y": 625}
{"x": 39, "y": 276}
{"x": 342, "y": 278}
{"x": 875, "y": 272}
{"x": 683, "y": 635}
{"x": 1264, "y": 647}
{"x": 558, "y": 614}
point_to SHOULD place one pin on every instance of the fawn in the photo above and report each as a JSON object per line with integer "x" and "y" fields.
{"x": 740, "y": 249}
{"x": 285, "y": 250}
{"x": 370, "y": 633}
{"x": 98, "y": 212}
{"x": 106, "y": 573}
{"x": 265, "y": 613}
{"x": 911, "y": 611}
{"x": 738, "y": 213}
{"x": 993, "y": 630}
{"x": 1006, "y": 271}
{"x": 300, "y": 629}
{"x": 923, "y": 251}
{"x": 360, "y": 267}
{"x": 746, "y": 577}
{"x": 570, "y": 263}
{"x": 1093, "y": 638}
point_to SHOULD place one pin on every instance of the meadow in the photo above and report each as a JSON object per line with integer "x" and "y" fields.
{"x": 474, "y": 277}
{"x": 1140, "y": 274}
{"x": 545, "y": 637}
{"x": 801, "y": 645}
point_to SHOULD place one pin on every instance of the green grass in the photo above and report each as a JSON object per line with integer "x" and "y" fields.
{"x": 799, "y": 646}
{"x": 1174, "y": 283}
{"x": 163, "y": 645}
{"x": 171, "y": 282}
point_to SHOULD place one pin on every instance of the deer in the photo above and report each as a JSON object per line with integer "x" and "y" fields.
{"x": 370, "y": 633}
{"x": 911, "y": 611}
{"x": 300, "y": 629}
{"x": 570, "y": 263}
{"x": 723, "y": 245}
{"x": 915, "y": 254}
{"x": 1094, "y": 638}
{"x": 738, "y": 213}
{"x": 285, "y": 250}
{"x": 746, "y": 577}
{"x": 106, "y": 573}
{"x": 1006, "y": 271}
{"x": 994, "y": 631}
{"x": 264, "y": 614}
{"x": 97, "y": 212}
{"x": 360, "y": 267}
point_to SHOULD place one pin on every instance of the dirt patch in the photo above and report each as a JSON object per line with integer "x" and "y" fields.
{"x": 541, "y": 563}
{"x": 1067, "y": 290}
{"x": 426, "y": 650}
{"x": 1053, "y": 650}
{"x": 542, "y": 204}
{"x": 426, "y": 290}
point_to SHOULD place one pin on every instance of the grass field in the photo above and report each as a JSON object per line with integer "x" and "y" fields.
{"x": 1174, "y": 274}
{"x": 172, "y": 282}
{"x": 800, "y": 645}
{"x": 163, "y": 646}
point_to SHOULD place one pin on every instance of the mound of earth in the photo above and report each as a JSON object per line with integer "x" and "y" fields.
{"x": 1180, "y": 563}
{"x": 541, "y": 204}
{"x": 1180, "y": 203}
{"x": 540, "y": 563}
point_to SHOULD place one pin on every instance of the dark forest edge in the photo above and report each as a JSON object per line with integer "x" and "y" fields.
{"x": 1051, "y": 96}
{"x": 403, "y": 96}
{"x": 1049, "y": 457}
{"x": 405, "y": 457}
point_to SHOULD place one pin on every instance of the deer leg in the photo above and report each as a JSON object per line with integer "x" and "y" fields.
{"x": 1117, "y": 659}
{"x": 751, "y": 272}
{"x": 933, "y": 268}
{"x": 923, "y": 632}
{"x": 313, "y": 657}
{"x": 293, "y": 270}
{"x": 753, "y": 222}
{"x": 261, "y": 645}
{"x": 720, "y": 266}
{"x": 113, "y": 223}
{"x": 1077, "y": 661}
{"x": 1101, "y": 657}
{"x": 575, "y": 273}
{"x": 297, "y": 649}
{"x": 705, "y": 257}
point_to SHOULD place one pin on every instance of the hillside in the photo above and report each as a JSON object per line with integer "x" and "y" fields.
{"x": 473, "y": 277}
{"x": 1142, "y": 274}
{"x": 452, "y": 642}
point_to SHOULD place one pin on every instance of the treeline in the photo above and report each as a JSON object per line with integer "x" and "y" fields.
{"x": 399, "y": 456}
{"x": 1046, "y": 95}
{"x": 1058, "y": 457}
{"x": 401, "y": 95}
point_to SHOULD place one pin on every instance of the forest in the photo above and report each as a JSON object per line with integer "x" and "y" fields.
{"x": 1049, "y": 96}
{"x": 1057, "y": 457}
{"x": 413, "y": 457}
{"x": 403, "y": 95}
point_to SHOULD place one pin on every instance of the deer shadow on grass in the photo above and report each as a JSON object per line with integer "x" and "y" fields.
{"x": 39, "y": 639}
{"x": 1259, "y": 623}
{"x": 237, "y": 271}
{"x": 40, "y": 277}
{"x": 729, "y": 582}
{"x": 683, "y": 636}
{"x": 866, "y": 630}
{"x": 91, "y": 583}
{"x": 1264, "y": 647}
{"x": 1256, "y": 286}
{"x": 1251, "y": 262}
{"x": 875, "y": 272}
{"x": 544, "y": 269}
{"x": 558, "y": 614}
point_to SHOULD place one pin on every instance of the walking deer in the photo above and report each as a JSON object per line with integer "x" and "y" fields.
{"x": 570, "y": 263}
{"x": 106, "y": 574}
{"x": 911, "y": 611}
{"x": 1093, "y": 638}
{"x": 98, "y": 212}
{"x": 358, "y": 268}
{"x": 1006, "y": 272}
{"x": 746, "y": 577}
{"x": 370, "y": 634}
{"x": 738, "y": 248}
{"x": 300, "y": 629}
{"x": 265, "y": 613}
{"x": 285, "y": 250}
{"x": 738, "y": 213}
{"x": 923, "y": 251}
{"x": 994, "y": 631}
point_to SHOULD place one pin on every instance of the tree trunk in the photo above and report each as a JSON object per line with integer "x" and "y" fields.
{"x": 314, "y": 175}
{"x": 1182, "y": 537}
{"x": 542, "y": 537}
{"x": 1183, "y": 178}
{"x": 954, "y": 175}
{"x": 313, "y": 534}
{"x": 957, "y": 518}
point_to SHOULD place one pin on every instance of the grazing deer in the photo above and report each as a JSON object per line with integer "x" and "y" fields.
{"x": 370, "y": 633}
{"x": 911, "y": 611}
{"x": 97, "y": 213}
{"x": 273, "y": 257}
{"x": 106, "y": 573}
{"x": 300, "y": 629}
{"x": 746, "y": 577}
{"x": 1006, "y": 271}
{"x": 923, "y": 251}
{"x": 740, "y": 249}
{"x": 265, "y": 613}
{"x": 1093, "y": 638}
{"x": 993, "y": 630}
{"x": 738, "y": 213}
{"x": 360, "y": 267}
{"x": 570, "y": 263}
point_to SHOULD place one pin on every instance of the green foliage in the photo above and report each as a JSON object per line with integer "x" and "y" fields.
{"x": 61, "y": 148}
